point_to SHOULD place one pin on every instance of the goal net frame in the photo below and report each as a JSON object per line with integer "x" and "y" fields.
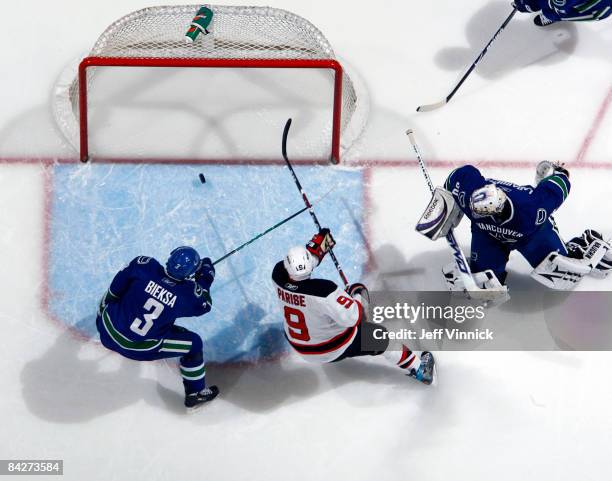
{"x": 330, "y": 64}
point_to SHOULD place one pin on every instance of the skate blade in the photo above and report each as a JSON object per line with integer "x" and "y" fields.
{"x": 196, "y": 409}
{"x": 199, "y": 407}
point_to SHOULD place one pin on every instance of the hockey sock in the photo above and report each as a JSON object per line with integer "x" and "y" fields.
{"x": 193, "y": 372}
{"x": 402, "y": 357}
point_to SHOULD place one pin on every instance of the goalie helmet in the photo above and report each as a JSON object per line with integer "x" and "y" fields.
{"x": 299, "y": 263}
{"x": 488, "y": 200}
{"x": 182, "y": 263}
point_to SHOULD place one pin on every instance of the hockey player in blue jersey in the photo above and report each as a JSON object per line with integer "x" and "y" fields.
{"x": 506, "y": 217}
{"x": 553, "y": 11}
{"x": 137, "y": 314}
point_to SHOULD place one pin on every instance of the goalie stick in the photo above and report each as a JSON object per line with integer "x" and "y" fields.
{"x": 442, "y": 103}
{"x": 470, "y": 289}
{"x": 307, "y": 202}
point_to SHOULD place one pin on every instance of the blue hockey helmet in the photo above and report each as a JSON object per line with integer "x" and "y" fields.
{"x": 182, "y": 263}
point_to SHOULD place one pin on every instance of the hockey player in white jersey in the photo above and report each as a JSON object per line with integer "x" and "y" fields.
{"x": 324, "y": 323}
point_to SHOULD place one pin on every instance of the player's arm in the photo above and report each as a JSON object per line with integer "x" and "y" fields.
{"x": 552, "y": 188}
{"x": 344, "y": 309}
{"x": 202, "y": 300}
{"x": 204, "y": 277}
{"x": 121, "y": 281}
{"x": 462, "y": 182}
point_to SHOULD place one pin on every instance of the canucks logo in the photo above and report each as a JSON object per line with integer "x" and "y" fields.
{"x": 541, "y": 216}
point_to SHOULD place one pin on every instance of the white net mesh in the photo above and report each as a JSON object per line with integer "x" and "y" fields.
{"x": 236, "y": 33}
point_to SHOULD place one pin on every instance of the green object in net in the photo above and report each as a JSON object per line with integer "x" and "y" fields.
{"x": 199, "y": 24}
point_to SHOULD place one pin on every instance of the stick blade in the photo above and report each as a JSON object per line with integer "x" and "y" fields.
{"x": 410, "y": 134}
{"x": 285, "y": 135}
{"x": 430, "y": 107}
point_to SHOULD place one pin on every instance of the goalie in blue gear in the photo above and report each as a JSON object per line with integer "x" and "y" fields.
{"x": 506, "y": 217}
{"x": 552, "y": 11}
{"x": 137, "y": 315}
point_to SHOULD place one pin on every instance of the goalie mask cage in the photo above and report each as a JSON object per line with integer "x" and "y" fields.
{"x": 241, "y": 37}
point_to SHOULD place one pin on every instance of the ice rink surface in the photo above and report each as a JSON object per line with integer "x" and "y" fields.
{"x": 66, "y": 228}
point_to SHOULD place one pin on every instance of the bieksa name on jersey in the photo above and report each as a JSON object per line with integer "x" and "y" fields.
{"x": 161, "y": 294}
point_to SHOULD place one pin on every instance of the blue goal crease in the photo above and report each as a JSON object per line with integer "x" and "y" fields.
{"x": 105, "y": 215}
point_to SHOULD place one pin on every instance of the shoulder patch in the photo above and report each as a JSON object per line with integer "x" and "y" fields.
{"x": 143, "y": 260}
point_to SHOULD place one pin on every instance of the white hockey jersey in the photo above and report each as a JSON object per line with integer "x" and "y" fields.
{"x": 320, "y": 319}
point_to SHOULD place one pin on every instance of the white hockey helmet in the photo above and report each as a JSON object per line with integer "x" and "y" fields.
{"x": 488, "y": 200}
{"x": 299, "y": 263}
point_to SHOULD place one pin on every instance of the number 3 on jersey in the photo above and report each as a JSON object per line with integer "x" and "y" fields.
{"x": 155, "y": 309}
{"x": 297, "y": 324}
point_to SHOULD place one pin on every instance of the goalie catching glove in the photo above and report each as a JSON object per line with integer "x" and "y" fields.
{"x": 321, "y": 243}
{"x": 441, "y": 215}
{"x": 546, "y": 168}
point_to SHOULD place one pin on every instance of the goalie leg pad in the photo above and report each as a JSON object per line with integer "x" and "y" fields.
{"x": 441, "y": 215}
{"x": 591, "y": 246}
{"x": 560, "y": 272}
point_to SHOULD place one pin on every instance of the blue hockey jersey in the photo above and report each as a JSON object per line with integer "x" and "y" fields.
{"x": 529, "y": 207}
{"x": 143, "y": 302}
{"x": 574, "y": 10}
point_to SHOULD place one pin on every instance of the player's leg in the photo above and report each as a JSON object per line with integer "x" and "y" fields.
{"x": 188, "y": 345}
{"x": 551, "y": 262}
{"x": 372, "y": 340}
{"x": 542, "y": 243}
{"x": 486, "y": 253}
{"x": 179, "y": 342}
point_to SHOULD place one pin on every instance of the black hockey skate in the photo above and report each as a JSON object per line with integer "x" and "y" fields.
{"x": 197, "y": 400}
{"x": 541, "y": 21}
{"x": 426, "y": 371}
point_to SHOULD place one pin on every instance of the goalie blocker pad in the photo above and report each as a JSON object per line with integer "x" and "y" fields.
{"x": 441, "y": 215}
{"x": 564, "y": 273}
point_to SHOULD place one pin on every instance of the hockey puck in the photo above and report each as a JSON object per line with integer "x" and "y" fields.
{"x": 202, "y": 178}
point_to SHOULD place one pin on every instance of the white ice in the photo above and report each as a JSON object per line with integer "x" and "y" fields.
{"x": 507, "y": 416}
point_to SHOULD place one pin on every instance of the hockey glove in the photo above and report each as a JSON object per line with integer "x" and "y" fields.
{"x": 546, "y": 168}
{"x": 527, "y": 5}
{"x": 321, "y": 244}
{"x": 205, "y": 275}
{"x": 560, "y": 169}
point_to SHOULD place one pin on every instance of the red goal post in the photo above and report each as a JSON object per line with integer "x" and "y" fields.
{"x": 240, "y": 38}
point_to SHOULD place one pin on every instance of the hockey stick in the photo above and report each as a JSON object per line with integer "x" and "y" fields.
{"x": 470, "y": 287}
{"x": 307, "y": 202}
{"x": 268, "y": 230}
{"x": 430, "y": 107}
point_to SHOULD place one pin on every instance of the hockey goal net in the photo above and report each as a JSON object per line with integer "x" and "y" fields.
{"x": 241, "y": 39}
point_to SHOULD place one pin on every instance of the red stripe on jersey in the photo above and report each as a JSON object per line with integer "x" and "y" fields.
{"x": 325, "y": 347}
